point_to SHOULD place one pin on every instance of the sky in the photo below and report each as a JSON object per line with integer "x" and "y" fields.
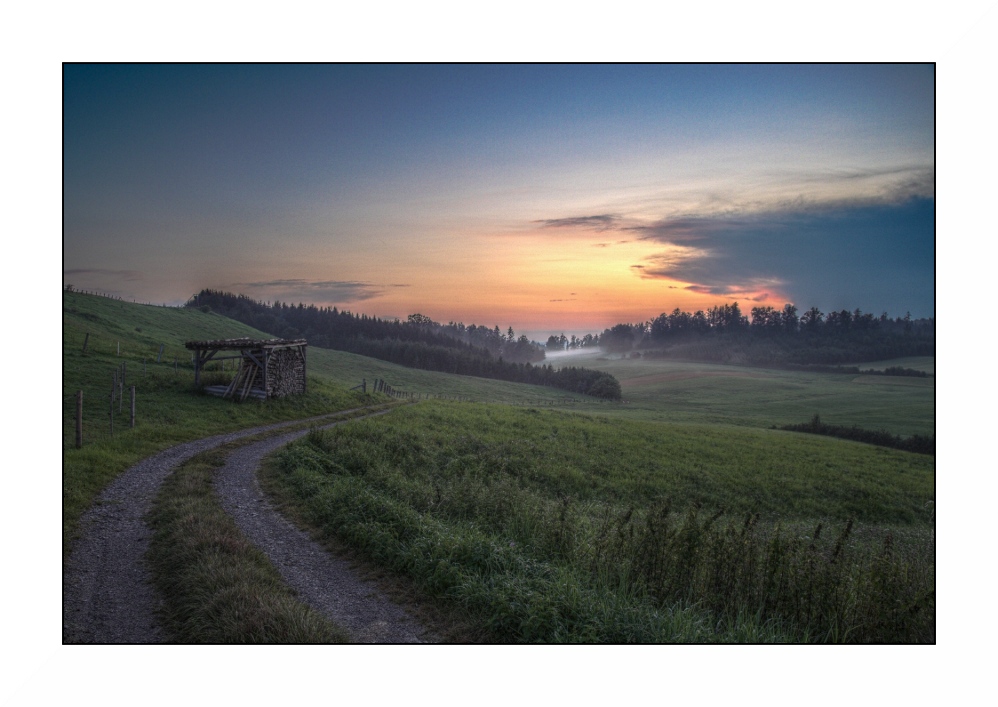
{"x": 543, "y": 197}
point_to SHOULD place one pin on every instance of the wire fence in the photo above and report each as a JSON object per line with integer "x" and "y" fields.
{"x": 109, "y": 295}
{"x": 107, "y": 408}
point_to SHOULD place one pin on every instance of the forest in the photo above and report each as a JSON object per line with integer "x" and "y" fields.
{"x": 418, "y": 342}
{"x": 773, "y": 337}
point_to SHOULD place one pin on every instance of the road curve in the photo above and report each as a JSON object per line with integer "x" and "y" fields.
{"x": 107, "y": 593}
{"x": 322, "y": 581}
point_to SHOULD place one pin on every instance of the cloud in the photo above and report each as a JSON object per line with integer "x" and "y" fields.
{"x": 600, "y": 222}
{"x": 128, "y": 275}
{"x": 738, "y": 292}
{"x": 873, "y": 257}
{"x": 873, "y": 186}
{"x": 607, "y": 245}
{"x": 318, "y": 291}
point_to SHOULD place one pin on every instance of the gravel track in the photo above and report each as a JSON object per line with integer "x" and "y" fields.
{"x": 107, "y": 593}
{"x": 322, "y": 581}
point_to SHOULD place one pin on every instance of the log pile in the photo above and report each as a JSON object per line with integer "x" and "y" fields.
{"x": 285, "y": 372}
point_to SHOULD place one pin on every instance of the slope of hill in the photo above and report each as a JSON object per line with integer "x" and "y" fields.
{"x": 418, "y": 343}
{"x": 557, "y": 471}
{"x": 104, "y": 337}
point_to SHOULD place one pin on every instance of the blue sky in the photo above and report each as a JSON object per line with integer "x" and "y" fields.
{"x": 547, "y": 197}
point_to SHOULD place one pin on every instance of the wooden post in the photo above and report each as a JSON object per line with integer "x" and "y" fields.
{"x": 363, "y": 385}
{"x": 110, "y": 411}
{"x": 119, "y": 349}
{"x": 79, "y": 419}
{"x": 159, "y": 358}
{"x": 133, "y": 407}
{"x": 86, "y": 340}
{"x": 114, "y": 385}
{"x": 121, "y": 391}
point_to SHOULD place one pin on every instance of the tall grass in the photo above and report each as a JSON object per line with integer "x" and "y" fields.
{"x": 574, "y": 541}
{"x": 218, "y": 587}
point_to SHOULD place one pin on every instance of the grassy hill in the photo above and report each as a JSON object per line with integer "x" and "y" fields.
{"x": 149, "y": 341}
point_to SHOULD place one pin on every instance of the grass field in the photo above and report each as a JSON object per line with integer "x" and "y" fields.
{"x": 553, "y": 512}
{"x": 670, "y": 391}
{"x": 170, "y": 411}
{"x": 552, "y": 526}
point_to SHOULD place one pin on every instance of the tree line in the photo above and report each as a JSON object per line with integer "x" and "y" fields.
{"x": 419, "y": 342}
{"x": 774, "y": 336}
{"x": 920, "y": 444}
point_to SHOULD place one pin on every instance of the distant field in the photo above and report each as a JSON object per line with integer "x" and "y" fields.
{"x": 918, "y": 363}
{"x": 670, "y": 391}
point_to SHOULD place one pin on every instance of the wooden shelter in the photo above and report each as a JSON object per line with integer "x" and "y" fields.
{"x": 268, "y": 368}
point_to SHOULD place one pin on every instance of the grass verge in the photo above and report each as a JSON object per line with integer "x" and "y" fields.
{"x": 216, "y": 586}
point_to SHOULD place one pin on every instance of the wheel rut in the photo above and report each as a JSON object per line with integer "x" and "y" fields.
{"x": 108, "y": 596}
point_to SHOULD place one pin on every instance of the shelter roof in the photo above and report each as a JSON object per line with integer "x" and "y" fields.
{"x": 245, "y": 343}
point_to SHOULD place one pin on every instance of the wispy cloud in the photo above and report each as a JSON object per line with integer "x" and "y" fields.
{"x": 600, "y": 222}
{"x": 883, "y": 185}
{"x": 320, "y": 291}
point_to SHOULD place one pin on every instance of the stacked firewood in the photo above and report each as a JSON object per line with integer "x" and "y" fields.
{"x": 285, "y": 373}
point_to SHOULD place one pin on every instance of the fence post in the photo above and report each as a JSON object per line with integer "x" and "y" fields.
{"x": 363, "y": 385}
{"x": 86, "y": 340}
{"x": 133, "y": 407}
{"x": 79, "y": 419}
{"x": 110, "y": 411}
{"x": 119, "y": 349}
{"x": 159, "y": 358}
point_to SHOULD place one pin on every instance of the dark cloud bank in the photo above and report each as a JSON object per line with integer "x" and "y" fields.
{"x": 873, "y": 257}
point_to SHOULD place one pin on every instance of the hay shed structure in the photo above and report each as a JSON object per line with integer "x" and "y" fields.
{"x": 268, "y": 368}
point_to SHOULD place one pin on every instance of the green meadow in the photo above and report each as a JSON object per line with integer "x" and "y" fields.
{"x": 169, "y": 410}
{"x": 662, "y": 390}
{"x": 557, "y": 527}
{"x": 680, "y": 515}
